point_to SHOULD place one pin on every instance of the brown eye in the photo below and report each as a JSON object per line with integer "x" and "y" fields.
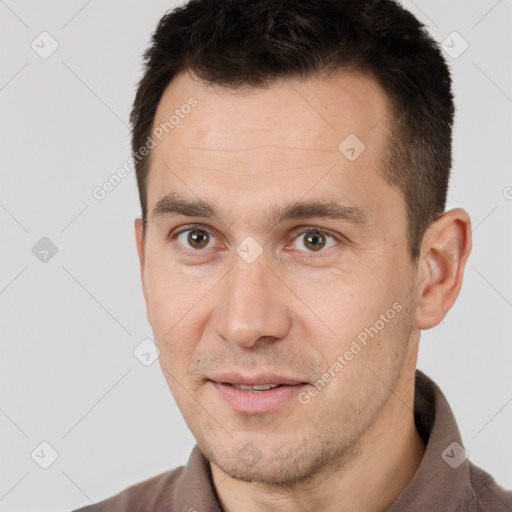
{"x": 314, "y": 240}
{"x": 195, "y": 238}
{"x": 198, "y": 238}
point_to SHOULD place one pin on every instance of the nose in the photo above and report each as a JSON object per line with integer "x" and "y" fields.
{"x": 252, "y": 304}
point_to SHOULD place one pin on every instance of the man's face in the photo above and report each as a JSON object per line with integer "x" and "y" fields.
{"x": 251, "y": 298}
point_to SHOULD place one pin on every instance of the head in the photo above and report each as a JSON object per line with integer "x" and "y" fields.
{"x": 293, "y": 187}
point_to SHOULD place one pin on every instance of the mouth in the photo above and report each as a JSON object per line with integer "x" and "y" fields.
{"x": 256, "y": 387}
{"x": 257, "y": 398}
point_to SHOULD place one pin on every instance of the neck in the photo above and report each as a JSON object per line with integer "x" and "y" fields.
{"x": 381, "y": 466}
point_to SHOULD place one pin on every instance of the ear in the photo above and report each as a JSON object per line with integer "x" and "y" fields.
{"x": 140, "y": 242}
{"x": 444, "y": 252}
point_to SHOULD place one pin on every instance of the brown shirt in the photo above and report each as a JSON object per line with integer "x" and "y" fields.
{"x": 445, "y": 480}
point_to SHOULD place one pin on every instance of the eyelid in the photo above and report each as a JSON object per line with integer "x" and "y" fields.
{"x": 190, "y": 227}
{"x": 300, "y": 230}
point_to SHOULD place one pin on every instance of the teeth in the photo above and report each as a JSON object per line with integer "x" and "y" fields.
{"x": 256, "y": 387}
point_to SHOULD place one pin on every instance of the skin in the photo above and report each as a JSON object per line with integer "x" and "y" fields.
{"x": 294, "y": 309}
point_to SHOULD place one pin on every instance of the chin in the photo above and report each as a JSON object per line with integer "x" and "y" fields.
{"x": 269, "y": 474}
{"x": 276, "y": 466}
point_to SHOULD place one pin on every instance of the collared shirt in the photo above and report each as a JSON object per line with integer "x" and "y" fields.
{"x": 445, "y": 481}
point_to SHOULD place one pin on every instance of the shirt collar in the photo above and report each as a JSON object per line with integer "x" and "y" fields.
{"x": 442, "y": 479}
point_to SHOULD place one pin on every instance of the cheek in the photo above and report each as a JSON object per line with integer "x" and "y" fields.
{"x": 178, "y": 304}
{"x": 358, "y": 314}
{"x": 171, "y": 293}
{"x": 343, "y": 300}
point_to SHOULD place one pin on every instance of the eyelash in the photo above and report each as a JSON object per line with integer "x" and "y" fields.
{"x": 307, "y": 229}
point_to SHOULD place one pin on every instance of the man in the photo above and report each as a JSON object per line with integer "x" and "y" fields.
{"x": 293, "y": 161}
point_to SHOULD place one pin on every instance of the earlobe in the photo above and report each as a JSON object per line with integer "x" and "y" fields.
{"x": 445, "y": 250}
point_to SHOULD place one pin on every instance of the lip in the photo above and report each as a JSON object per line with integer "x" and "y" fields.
{"x": 261, "y": 378}
{"x": 257, "y": 402}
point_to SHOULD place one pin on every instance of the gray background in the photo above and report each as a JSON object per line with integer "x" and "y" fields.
{"x": 69, "y": 325}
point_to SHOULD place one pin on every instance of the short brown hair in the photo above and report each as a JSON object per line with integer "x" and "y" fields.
{"x": 251, "y": 43}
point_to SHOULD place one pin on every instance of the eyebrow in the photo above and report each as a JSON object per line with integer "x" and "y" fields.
{"x": 172, "y": 204}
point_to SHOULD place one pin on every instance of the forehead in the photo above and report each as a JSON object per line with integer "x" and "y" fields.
{"x": 293, "y": 138}
{"x": 308, "y": 114}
